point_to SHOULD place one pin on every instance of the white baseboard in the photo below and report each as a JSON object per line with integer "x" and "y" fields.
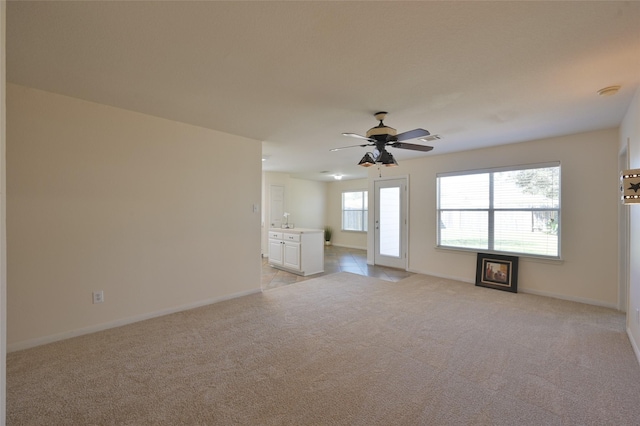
{"x": 534, "y": 292}
{"x": 351, "y": 247}
{"x": 31, "y": 343}
{"x": 446, "y": 277}
{"x": 634, "y": 344}
{"x": 571, "y": 298}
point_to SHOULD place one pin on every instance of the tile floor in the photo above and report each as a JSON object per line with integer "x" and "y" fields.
{"x": 336, "y": 259}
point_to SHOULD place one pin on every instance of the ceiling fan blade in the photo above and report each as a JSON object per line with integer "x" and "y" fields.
{"x": 350, "y": 146}
{"x": 411, "y": 134}
{"x": 411, "y": 146}
{"x": 355, "y": 135}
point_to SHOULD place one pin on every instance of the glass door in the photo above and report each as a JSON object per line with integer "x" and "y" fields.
{"x": 390, "y": 223}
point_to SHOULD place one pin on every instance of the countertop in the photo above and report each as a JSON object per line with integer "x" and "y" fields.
{"x": 296, "y": 230}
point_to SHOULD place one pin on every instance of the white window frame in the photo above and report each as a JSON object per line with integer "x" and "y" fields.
{"x": 491, "y": 210}
{"x": 364, "y": 211}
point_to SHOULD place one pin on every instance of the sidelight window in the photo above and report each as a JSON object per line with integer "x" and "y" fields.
{"x": 354, "y": 211}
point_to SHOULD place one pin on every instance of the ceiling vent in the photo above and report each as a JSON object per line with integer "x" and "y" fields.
{"x": 430, "y": 138}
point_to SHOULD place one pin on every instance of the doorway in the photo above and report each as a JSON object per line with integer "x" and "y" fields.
{"x": 390, "y": 222}
{"x": 276, "y": 205}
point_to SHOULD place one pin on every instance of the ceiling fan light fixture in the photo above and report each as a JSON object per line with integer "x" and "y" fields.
{"x": 386, "y": 159}
{"x": 367, "y": 160}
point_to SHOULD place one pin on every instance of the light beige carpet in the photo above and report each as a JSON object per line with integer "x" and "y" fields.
{"x": 342, "y": 350}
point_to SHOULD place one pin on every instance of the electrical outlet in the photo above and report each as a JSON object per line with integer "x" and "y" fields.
{"x": 98, "y": 296}
{"x": 638, "y": 316}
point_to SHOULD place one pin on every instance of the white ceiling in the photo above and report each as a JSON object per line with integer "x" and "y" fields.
{"x": 295, "y": 75}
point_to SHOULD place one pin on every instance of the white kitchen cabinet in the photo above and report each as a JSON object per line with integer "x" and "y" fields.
{"x": 291, "y": 255}
{"x": 276, "y": 249}
{"x": 300, "y": 251}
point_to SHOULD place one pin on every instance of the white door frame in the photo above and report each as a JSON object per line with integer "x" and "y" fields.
{"x": 624, "y": 242}
{"x": 3, "y": 240}
{"x": 404, "y": 211}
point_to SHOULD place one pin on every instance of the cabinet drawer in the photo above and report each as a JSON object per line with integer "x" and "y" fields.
{"x": 291, "y": 237}
{"x": 275, "y": 235}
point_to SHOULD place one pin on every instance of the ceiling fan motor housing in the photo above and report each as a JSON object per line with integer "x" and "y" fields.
{"x": 381, "y": 132}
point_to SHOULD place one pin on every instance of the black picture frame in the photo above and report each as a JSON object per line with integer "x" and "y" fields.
{"x": 497, "y": 271}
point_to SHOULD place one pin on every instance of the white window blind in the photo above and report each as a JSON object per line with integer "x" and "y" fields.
{"x": 512, "y": 210}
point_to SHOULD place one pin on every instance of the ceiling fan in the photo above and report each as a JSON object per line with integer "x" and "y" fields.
{"x": 383, "y": 136}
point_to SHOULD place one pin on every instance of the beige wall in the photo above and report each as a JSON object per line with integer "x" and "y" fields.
{"x": 630, "y": 132}
{"x": 307, "y": 203}
{"x": 334, "y": 213}
{"x": 101, "y": 198}
{"x": 588, "y": 271}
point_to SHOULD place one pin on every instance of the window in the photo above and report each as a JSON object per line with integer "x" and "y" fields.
{"x": 354, "y": 211}
{"x": 513, "y": 210}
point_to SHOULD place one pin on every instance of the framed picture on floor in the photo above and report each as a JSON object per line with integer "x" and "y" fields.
{"x": 497, "y": 271}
